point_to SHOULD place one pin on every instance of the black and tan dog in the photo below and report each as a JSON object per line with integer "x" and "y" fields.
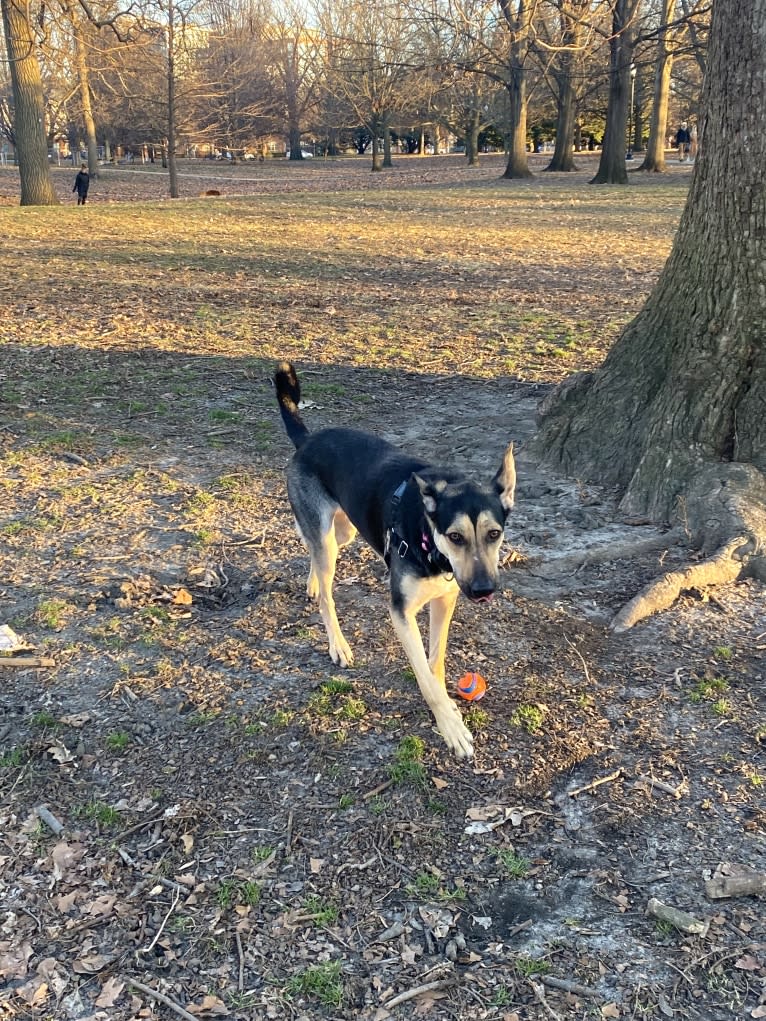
{"x": 438, "y": 532}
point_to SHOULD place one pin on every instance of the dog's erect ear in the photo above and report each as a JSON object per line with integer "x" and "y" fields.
{"x": 430, "y": 492}
{"x": 505, "y": 480}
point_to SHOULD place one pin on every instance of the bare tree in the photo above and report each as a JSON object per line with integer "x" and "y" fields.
{"x": 675, "y": 419}
{"x": 611, "y": 168}
{"x": 28, "y": 106}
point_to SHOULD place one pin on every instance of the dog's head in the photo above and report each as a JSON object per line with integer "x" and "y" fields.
{"x": 467, "y": 525}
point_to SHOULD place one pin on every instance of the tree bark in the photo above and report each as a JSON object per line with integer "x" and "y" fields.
{"x": 611, "y": 168}
{"x": 658, "y": 124}
{"x": 29, "y": 106}
{"x": 568, "y": 63}
{"x": 518, "y": 20}
{"x": 675, "y": 418}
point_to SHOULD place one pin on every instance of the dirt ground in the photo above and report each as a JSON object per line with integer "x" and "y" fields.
{"x": 236, "y": 828}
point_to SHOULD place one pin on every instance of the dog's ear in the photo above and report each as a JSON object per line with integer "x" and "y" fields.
{"x": 505, "y": 480}
{"x": 430, "y": 492}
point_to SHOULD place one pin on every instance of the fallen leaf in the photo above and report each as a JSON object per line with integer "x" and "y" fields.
{"x": 91, "y": 964}
{"x": 110, "y": 992}
{"x": 209, "y": 1005}
{"x": 610, "y": 1010}
{"x": 747, "y": 963}
{"x": 14, "y": 959}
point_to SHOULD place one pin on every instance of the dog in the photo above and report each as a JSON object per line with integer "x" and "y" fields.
{"x": 439, "y": 533}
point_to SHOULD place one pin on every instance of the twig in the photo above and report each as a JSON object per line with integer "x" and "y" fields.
{"x": 289, "y": 834}
{"x": 680, "y": 920}
{"x": 171, "y": 909}
{"x": 568, "y": 986}
{"x": 660, "y": 785}
{"x": 148, "y": 991}
{"x": 410, "y": 994}
{"x": 377, "y": 790}
{"x": 540, "y": 994}
{"x": 27, "y": 661}
{"x": 50, "y": 820}
{"x": 577, "y": 652}
{"x": 241, "y": 978}
{"x": 595, "y": 783}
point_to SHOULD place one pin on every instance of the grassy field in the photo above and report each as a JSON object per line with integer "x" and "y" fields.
{"x": 245, "y": 833}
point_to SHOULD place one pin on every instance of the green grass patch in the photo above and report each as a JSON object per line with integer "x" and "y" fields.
{"x": 321, "y": 982}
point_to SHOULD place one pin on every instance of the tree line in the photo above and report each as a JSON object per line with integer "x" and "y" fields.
{"x": 205, "y": 75}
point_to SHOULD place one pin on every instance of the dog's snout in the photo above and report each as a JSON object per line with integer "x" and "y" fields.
{"x": 481, "y": 592}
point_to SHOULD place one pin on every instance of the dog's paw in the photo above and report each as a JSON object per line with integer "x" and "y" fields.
{"x": 458, "y": 737}
{"x": 312, "y": 586}
{"x": 340, "y": 651}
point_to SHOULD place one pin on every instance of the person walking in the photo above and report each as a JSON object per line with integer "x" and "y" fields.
{"x": 81, "y": 184}
{"x": 683, "y": 142}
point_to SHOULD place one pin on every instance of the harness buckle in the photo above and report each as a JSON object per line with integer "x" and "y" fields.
{"x": 403, "y": 548}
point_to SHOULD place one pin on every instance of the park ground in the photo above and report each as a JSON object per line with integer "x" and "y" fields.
{"x": 200, "y": 816}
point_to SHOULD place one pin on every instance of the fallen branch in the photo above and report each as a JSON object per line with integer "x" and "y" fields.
{"x": 736, "y": 886}
{"x": 50, "y": 820}
{"x": 161, "y": 998}
{"x": 662, "y": 592}
{"x": 568, "y": 986}
{"x": 649, "y": 783}
{"x": 410, "y": 994}
{"x": 680, "y": 920}
{"x": 27, "y": 661}
{"x": 595, "y": 783}
{"x": 539, "y": 992}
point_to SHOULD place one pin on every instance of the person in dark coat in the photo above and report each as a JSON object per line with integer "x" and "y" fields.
{"x": 683, "y": 142}
{"x": 81, "y": 184}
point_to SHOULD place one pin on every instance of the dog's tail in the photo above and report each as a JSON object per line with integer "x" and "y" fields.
{"x": 289, "y": 396}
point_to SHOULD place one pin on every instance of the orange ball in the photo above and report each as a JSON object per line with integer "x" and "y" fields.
{"x": 471, "y": 687}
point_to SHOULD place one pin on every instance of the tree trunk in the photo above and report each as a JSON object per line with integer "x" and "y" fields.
{"x": 388, "y": 161}
{"x": 676, "y": 416}
{"x": 171, "y": 140}
{"x": 29, "y": 107}
{"x": 611, "y": 168}
{"x": 563, "y": 158}
{"x": 517, "y": 165}
{"x": 472, "y": 128}
{"x": 569, "y": 62}
{"x": 83, "y": 78}
{"x": 658, "y": 124}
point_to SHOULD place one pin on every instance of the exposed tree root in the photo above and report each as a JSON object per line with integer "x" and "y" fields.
{"x": 726, "y": 511}
{"x": 662, "y": 592}
{"x": 555, "y": 566}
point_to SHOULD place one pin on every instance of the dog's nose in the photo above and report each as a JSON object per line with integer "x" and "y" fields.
{"x": 481, "y": 593}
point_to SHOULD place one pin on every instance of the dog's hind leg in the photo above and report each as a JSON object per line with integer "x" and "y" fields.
{"x": 440, "y": 615}
{"x": 322, "y": 573}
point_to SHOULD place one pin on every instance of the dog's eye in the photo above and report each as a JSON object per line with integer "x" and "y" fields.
{"x": 455, "y": 538}
{"x": 493, "y": 535}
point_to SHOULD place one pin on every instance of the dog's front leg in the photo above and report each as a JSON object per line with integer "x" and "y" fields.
{"x": 449, "y": 721}
{"x": 440, "y": 612}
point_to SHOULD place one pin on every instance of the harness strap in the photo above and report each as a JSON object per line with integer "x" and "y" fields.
{"x": 427, "y": 555}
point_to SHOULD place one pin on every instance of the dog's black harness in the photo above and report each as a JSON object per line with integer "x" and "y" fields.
{"x": 427, "y": 556}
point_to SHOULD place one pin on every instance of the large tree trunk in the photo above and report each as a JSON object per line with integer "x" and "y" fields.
{"x": 611, "y": 167}
{"x": 83, "y": 77}
{"x": 658, "y": 124}
{"x": 517, "y": 165}
{"x": 676, "y": 416}
{"x": 568, "y": 64}
{"x": 562, "y": 158}
{"x": 29, "y": 107}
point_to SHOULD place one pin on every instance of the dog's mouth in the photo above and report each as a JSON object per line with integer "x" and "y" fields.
{"x": 481, "y": 597}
